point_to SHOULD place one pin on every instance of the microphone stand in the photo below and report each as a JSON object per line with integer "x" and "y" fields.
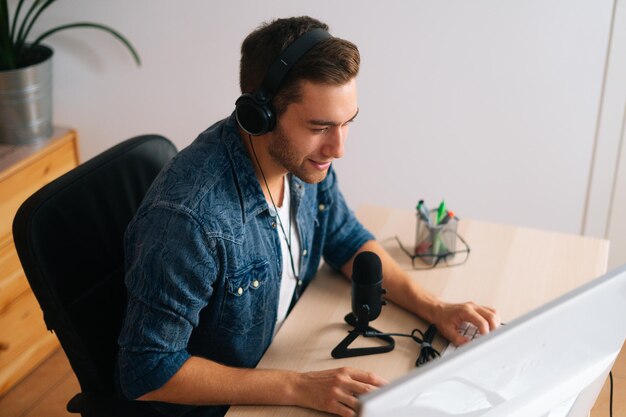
{"x": 361, "y": 325}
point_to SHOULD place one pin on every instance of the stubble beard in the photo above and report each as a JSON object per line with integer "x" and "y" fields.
{"x": 283, "y": 154}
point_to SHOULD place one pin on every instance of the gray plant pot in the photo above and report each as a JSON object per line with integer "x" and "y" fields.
{"x": 26, "y": 101}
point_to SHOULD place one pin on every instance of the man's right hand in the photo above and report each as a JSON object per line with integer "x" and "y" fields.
{"x": 203, "y": 382}
{"x": 335, "y": 390}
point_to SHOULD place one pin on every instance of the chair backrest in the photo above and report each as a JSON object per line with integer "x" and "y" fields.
{"x": 69, "y": 238}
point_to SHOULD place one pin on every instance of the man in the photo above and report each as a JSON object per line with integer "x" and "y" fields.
{"x": 234, "y": 228}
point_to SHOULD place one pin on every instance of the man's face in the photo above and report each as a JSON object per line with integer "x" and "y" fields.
{"x": 310, "y": 134}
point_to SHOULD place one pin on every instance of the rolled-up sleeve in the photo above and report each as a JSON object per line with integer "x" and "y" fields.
{"x": 169, "y": 276}
{"x": 345, "y": 234}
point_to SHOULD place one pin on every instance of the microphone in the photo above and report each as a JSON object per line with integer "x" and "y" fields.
{"x": 367, "y": 302}
{"x": 367, "y": 291}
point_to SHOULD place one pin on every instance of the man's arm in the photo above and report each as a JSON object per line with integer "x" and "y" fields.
{"x": 407, "y": 293}
{"x": 203, "y": 382}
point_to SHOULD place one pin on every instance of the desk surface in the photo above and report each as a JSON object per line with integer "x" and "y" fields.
{"x": 511, "y": 268}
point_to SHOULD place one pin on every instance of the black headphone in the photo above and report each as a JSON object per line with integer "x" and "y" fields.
{"x": 254, "y": 111}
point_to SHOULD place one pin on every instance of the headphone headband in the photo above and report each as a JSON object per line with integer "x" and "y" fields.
{"x": 281, "y": 66}
{"x": 254, "y": 111}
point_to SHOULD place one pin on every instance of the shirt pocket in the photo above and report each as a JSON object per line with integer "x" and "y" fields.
{"x": 245, "y": 303}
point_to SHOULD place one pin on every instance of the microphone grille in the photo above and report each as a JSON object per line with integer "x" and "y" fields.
{"x": 367, "y": 268}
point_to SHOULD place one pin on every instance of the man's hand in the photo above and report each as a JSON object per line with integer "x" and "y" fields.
{"x": 450, "y": 317}
{"x": 335, "y": 390}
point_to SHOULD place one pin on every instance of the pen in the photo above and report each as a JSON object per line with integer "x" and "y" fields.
{"x": 441, "y": 211}
{"x": 449, "y": 216}
{"x": 438, "y": 244}
{"x": 423, "y": 211}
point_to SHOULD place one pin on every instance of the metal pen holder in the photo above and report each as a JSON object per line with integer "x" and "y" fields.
{"x": 434, "y": 241}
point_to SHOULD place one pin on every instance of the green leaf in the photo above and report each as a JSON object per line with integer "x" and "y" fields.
{"x": 14, "y": 34}
{"x": 27, "y": 24}
{"x": 16, "y": 17}
{"x": 4, "y": 16}
{"x": 34, "y": 19}
{"x": 7, "y": 56}
{"x": 91, "y": 25}
{"x": 22, "y": 26}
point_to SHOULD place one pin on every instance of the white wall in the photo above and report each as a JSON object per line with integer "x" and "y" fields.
{"x": 604, "y": 216}
{"x": 492, "y": 104}
{"x": 617, "y": 219}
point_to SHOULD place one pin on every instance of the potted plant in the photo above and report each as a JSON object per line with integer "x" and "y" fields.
{"x": 26, "y": 72}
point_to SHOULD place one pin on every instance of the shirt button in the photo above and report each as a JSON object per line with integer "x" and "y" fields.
{"x": 273, "y": 225}
{"x": 299, "y": 283}
{"x": 321, "y": 207}
{"x": 304, "y": 252}
{"x": 239, "y": 291}
{"x": 255, "y": 283}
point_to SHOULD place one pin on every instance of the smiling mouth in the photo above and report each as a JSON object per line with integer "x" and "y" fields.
{"x": 320, "y": 165}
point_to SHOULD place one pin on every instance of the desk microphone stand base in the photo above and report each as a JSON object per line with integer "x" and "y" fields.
{"x": 343, "y": 351}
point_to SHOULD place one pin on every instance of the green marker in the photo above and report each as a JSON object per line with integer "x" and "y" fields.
{"x": 438, "y": 245}
{"x": 441, "y": 212}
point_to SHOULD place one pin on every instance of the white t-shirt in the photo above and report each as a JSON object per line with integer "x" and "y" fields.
{"x": 288, "y": 280}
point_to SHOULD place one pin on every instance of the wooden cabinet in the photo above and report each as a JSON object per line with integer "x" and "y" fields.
{"x": 24, "y": 339}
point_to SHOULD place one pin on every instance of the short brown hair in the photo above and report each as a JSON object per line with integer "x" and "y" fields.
{"x": 332, "y": 61}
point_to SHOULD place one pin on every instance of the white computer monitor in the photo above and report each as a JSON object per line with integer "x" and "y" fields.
{"x": 551, "y": 362}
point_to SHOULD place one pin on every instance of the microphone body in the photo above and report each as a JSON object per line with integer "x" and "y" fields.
{"x": 367, "y": 302}
{"x": 367, "y": 291}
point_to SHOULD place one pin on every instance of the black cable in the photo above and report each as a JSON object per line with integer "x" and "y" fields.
{"x": 280, "y": 222}
{"x": 426, "y": 352}
{"x": 611, "y": 395}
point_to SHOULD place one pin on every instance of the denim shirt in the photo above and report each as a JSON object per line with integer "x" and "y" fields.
{"x": 203, "y": 260}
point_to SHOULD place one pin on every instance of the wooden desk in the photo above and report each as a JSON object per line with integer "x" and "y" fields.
{"x": 24, "y": 339}
{"x": 511, "y": 268}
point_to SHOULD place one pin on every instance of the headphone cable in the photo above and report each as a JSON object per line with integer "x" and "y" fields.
{"x": 280, "y": 222}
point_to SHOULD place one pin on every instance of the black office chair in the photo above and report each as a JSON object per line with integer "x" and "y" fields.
{"x": 69, "y": 238}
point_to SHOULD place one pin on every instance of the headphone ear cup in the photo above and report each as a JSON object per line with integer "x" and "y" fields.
{"x": 254, "y": 117}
